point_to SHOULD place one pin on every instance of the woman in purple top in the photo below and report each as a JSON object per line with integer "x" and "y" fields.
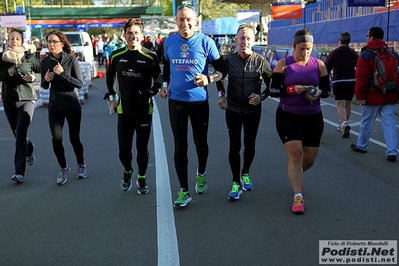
{"x": 300, "y": 80}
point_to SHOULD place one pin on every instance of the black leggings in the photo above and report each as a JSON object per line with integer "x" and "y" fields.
{"x": 19, "y": 116}
{"x": 235, "y": 122}
{"x": 127, "y": 125}
{"x": 198, "y": 112}
{"x": 56, "y": 120}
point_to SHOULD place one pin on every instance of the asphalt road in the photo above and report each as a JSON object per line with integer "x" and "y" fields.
{"x": 349, "y": 196}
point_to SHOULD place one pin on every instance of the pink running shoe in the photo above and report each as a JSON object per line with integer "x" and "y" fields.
{"x": 298, "y": 207}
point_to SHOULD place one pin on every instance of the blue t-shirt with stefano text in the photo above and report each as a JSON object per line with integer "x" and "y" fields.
{"x": 188, "y": 57}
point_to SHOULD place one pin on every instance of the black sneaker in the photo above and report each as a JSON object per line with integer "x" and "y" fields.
{"x": 357, "y": 149}
{"x": 142, "y": 185}
{"x": 347, "y": 129}
{"x": 391, "y": 158}
{"x": 126, "y": 184}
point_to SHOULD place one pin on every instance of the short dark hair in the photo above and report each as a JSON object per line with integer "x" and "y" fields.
{"x": 376, "y": 33}
{"x": 345, "y": 37}
{"x": 133, "y": 21}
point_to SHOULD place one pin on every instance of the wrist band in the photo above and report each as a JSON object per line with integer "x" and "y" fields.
{"x": 291, "y": 90}
{"x": 164, "y": 85}
{"x": 112, "y": 97}
{"x": 210, "y": 78}
{"x": 220, "y": 93}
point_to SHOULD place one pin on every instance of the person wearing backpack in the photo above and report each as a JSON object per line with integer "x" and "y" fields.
{"x": 375, "y": 93}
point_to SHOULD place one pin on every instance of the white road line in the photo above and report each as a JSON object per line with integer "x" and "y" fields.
{"x": 168, "y": 250}
{"x": 335, "y": 125}
{"x": 353, "y": 112}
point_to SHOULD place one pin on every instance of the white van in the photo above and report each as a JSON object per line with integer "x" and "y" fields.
{"x": 80, "y": 43}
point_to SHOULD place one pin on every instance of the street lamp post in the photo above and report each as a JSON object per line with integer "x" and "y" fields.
{"x": 6, "y": 6}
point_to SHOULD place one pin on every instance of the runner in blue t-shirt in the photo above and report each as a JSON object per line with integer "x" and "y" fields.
{"x": 187, "y": 56}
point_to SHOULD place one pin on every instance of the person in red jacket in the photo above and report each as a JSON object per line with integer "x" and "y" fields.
{"x": 373, "y": 102}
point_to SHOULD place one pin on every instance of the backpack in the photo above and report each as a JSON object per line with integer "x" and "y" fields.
{"x": 385, "y": 70}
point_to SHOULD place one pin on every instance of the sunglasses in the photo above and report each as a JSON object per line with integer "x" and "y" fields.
{"x": 134, "y": 21}
{"x": 245, "y": 26}
{"x": 185, "y": 6}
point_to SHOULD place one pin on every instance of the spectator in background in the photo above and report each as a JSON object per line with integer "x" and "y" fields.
{"x": 107, "y": 50}
{"x": 159, "y": 47}
{"x": 100, "y": 52}
{"x": 94, "y": 40}
{"x": 32, "y": 47}
{"x": 37, "y": 44}
{"x": 119, "y": 44}
{"x": 148, "y": 43}
{"x": 342, "y": 62}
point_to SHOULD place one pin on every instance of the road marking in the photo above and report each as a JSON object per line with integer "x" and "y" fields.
{"x": 352, "y": 112}
{"x": 168, "y": 250}
{"x": 336, "y": 124}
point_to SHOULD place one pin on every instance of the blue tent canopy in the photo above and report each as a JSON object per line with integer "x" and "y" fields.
{"x": 220, "y": 26}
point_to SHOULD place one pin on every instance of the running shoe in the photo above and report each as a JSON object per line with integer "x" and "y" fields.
{"x": 142, "y": 185}
{"x": 246, "y": 183}
{"x": 31, "y": 158}
{"x": 126, "y": 184}
{"x": 18, "y": 178}
{"x": 235, "y": 192}
{"x": 63, "y": 175}
{"x": 298, "y": 207}
{"x": 345, "y": 131}
{"x": 201, "y": 185}
{"x": 82, "y": 171}
{"x": 183, "y": 197}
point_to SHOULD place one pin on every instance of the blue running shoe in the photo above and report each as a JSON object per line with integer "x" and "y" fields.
{"x": 246, "y": 183}
{"x": 235, "y": 192}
